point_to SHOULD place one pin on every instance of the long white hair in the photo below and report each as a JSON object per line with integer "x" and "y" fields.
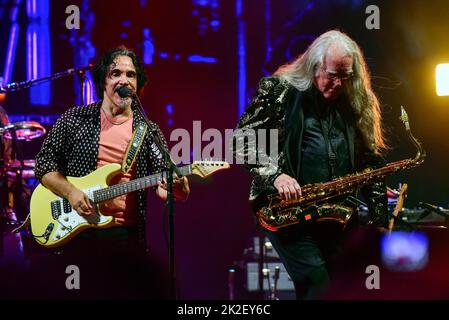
{"x": 302, "y": 71}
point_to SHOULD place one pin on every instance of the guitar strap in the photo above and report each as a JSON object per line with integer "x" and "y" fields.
{"x": 134, "y": 146}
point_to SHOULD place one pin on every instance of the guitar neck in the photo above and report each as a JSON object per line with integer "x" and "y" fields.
{"x": 117, "y": 190}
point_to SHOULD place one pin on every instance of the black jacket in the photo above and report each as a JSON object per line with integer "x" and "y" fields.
{"x": 277, "y": 105}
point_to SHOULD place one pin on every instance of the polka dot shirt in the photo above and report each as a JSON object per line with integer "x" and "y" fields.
{"x": 72, "y": 145}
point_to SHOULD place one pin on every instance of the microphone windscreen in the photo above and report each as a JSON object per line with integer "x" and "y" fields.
{"x": 124, "y": 92}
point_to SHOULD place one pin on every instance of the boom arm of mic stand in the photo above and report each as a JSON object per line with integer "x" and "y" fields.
{"x": 15, "y": 86}
{"x": 438, "y": 210}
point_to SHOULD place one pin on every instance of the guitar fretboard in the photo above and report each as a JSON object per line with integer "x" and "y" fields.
{"x": 111, "y": 192}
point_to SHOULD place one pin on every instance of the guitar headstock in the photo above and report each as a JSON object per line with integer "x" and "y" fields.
{"x": 206, "y": 168}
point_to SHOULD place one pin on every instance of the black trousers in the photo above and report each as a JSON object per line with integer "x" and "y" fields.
{"x": 97, "y": 264}
{"x": 307, "y": 253}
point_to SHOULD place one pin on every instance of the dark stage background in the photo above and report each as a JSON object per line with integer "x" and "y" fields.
{"x": 215, "y": 225}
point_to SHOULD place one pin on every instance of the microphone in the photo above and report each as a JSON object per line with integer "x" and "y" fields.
{"x": 125, "y": 92}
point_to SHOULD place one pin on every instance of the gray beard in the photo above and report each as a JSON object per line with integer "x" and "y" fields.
{"x": 125, "y": 103}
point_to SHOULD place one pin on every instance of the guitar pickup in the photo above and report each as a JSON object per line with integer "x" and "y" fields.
{"x": 66, "y": 206}
{"x": 55, "y": 209}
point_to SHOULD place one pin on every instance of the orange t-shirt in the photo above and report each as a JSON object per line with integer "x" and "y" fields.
{"x": 114, "y": 140}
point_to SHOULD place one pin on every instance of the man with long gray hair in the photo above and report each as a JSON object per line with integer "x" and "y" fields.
{"x": 329, "y": 125}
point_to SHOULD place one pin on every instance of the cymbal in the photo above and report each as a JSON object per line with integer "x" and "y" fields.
{"x": 26, "y": 174}
{"x": 16, "y": 165}
{"x": 27, "y": 170}
{"x": 25, "y": 130}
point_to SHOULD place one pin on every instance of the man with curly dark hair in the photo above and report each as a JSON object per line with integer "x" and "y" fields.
{"x": 86, "y": 138}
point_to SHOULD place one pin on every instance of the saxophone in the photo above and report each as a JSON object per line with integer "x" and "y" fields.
{"x": 280, "y": 213}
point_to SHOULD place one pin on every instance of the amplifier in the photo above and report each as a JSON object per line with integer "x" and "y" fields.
{"x": 252, "y": 281}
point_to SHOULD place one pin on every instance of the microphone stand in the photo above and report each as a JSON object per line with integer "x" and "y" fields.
{"x": 274, "y": 287}
{"x": 81, "y": 78}
{"x": 172, "y": 168}
{"x": 15, "y": 86}
{"x": 438, "y": 210}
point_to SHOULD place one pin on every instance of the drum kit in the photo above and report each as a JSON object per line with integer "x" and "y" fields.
{"x": 17, "y": 182}
{"x": 17, "y": 177}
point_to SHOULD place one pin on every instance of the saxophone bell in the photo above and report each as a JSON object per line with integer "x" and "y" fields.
{"x": 281, "y": 213}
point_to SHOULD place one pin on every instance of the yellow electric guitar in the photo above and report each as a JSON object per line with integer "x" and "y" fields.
{"x": 54, "y": 222}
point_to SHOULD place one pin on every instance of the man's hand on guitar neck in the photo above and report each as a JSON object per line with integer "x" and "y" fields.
{"x": 181, "y": 189}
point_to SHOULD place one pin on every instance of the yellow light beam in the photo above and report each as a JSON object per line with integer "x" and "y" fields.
{"x": 442, "y": 79}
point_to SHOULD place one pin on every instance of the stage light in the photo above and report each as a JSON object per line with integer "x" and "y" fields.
{"x": 148, "y": 46}
{"x": 38, "y": 50}
{"x": 11, "y": 52}
{"x": 405, "y": 251}
{"x": 442, "y": 79}
{"x": 241, "y": 50}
